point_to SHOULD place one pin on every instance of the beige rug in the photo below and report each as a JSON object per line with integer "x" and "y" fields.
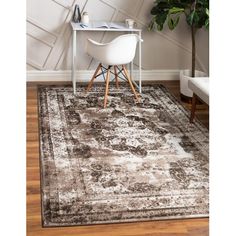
{"x": 128, "y": 162}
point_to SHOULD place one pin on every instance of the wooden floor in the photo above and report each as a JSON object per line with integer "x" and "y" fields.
{"x": 187, "y": 227}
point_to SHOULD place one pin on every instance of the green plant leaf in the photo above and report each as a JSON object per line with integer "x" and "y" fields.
{"x": 160, "y": 20}
{"x": 207, "y": 20}
{"x": 161, "y": 5}
{"x": 177, "y": 21}
{"x": 151, "y": 25}
{"x": 190, "y": 18}
{"x": 175, "y": 10}
{"x": 172, "y": 23}
{"x": 193, "y": 18}
{"x": 159, "y": 27}
{"x": 154, "y": 10}
{"x": 207, "y": 23}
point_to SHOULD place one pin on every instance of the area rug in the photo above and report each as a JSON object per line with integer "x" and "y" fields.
{"x": 129, "y": 162}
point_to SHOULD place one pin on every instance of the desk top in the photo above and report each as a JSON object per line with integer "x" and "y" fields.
{"x": 77, "y": 26}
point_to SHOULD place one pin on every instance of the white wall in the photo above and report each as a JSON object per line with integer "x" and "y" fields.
{"x": 49, "y": 35}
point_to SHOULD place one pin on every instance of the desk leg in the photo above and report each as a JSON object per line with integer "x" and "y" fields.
{"x": 74, "y": 61}
{"x": 131, "y": 65}
{"x": 140, "y": 63}
{"x": 131, "y": 69}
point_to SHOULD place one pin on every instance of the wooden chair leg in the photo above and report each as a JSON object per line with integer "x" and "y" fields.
{"x": 107, "y": 87}
{"x": 116, "y": 77}
{"x": 130, "y": 83}
{"x": 193, "y": 109}
{"x": 93, "y": 78}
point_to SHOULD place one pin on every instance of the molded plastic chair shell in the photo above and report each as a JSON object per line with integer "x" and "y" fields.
{"x": 119, "y": 51}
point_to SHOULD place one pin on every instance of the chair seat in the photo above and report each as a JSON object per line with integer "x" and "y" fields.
{"x": 200, "y": 86}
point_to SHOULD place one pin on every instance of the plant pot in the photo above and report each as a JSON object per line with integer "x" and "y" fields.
{"x": 185, "y": 75}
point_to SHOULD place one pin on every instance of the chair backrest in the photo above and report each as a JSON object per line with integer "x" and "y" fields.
{"x": 119, "y": 51}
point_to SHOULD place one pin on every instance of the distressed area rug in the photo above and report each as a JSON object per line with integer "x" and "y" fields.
{"x": 128, "y": 162}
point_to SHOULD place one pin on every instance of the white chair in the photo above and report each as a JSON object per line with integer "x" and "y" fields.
{"x": 200, "y": 88}
{"x": 118, "y": 52}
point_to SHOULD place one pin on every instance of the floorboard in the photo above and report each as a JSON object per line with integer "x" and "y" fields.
{"x": 186, "y": 227}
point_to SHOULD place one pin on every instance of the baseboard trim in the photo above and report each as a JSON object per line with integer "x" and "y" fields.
{"x": 85, "y": 75}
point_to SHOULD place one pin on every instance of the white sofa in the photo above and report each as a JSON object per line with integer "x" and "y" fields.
{"x": 200, "y": 88}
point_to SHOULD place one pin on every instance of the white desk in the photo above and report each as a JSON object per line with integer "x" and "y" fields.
{"x": 76, "y": 27}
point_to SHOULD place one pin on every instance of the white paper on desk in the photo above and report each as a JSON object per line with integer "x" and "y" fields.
{"x": 99, "y": 24}
{"x": 108, "y": 25}
{"x": 117, "y": 25}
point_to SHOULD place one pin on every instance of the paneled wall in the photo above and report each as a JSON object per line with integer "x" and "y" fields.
{"x": 49, "y": 35}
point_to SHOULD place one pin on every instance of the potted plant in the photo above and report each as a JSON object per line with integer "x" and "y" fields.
{"x": 197, "y": 16}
